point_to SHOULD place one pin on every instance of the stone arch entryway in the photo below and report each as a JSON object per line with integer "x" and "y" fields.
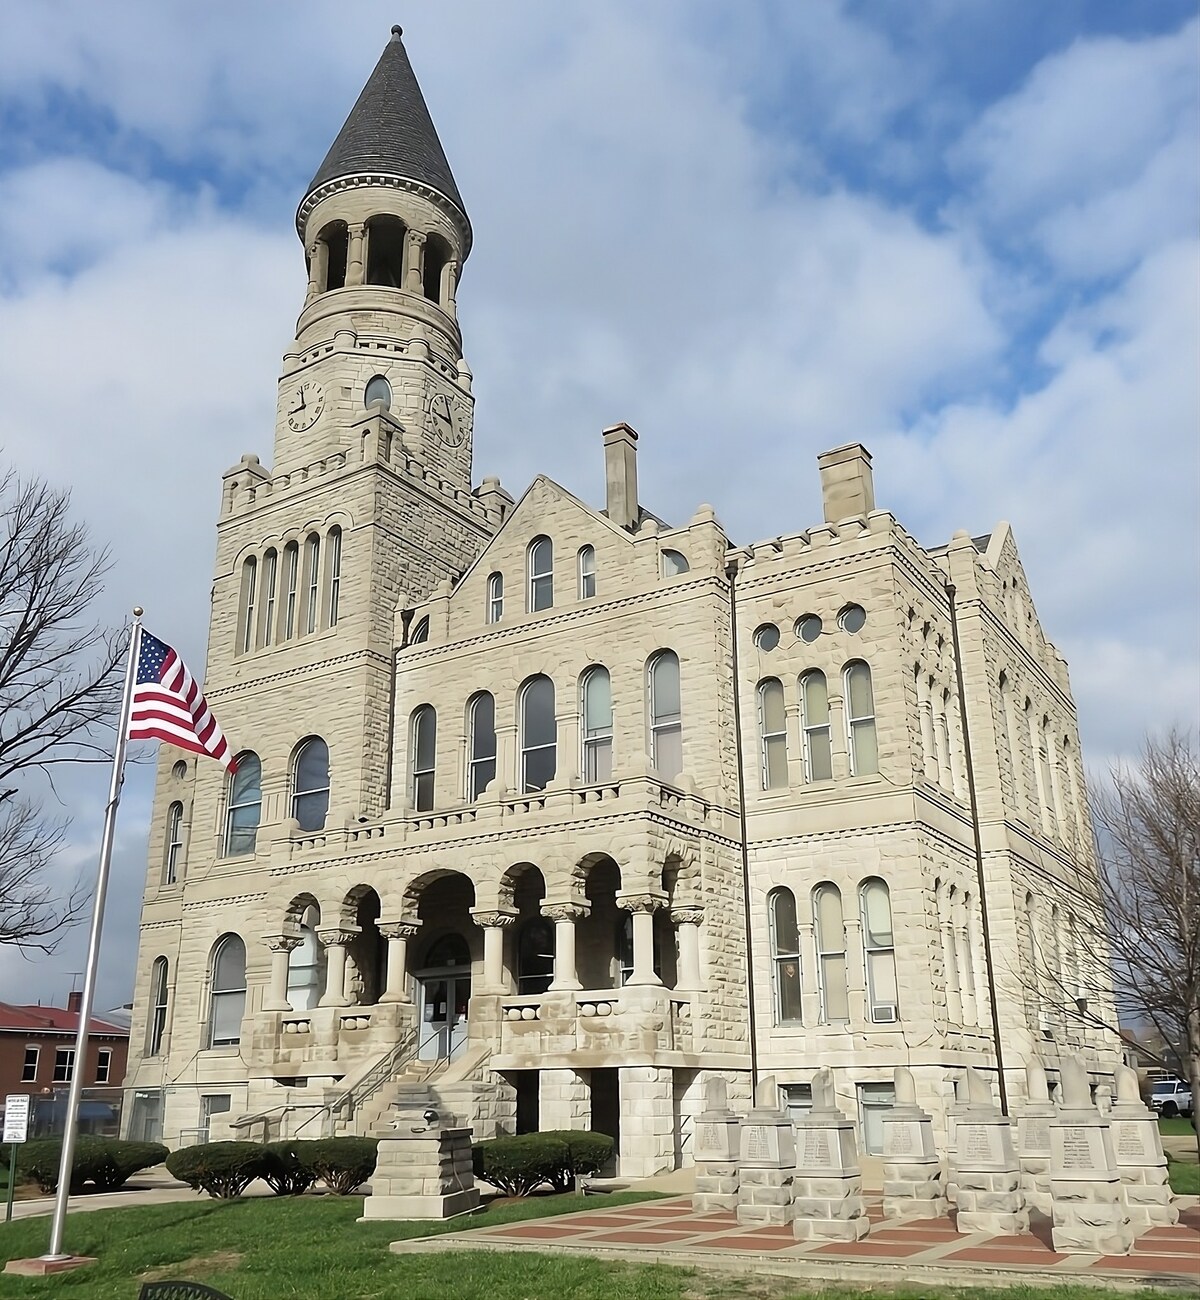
{"x": 442, "y": 966}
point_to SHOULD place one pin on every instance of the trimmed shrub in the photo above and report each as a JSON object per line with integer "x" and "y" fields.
{"x": 587, "y": 1153}
{"x": 342, "y": 1163}
{"x": 290, "y": 1171}
{"x": 222, "y": 1169}
{"x": 104, "y": 1163}
{"x": 518, "y": 1165}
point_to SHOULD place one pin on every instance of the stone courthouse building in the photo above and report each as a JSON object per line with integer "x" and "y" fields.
{"x": 560, "y": 807}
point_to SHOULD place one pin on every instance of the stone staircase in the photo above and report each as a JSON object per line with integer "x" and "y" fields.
{"x": 452, "y": 1087}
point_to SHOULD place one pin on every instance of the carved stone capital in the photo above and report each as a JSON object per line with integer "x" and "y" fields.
{"x": 281, "y": 942}
{"x": 398, "y": 929}
{"x": 496, "y": 920}
{"x": 646, "y": 902}
{"x": 691, "y": 914}
{"x": 565, "y": 911}
{"x": 416, "y": 237}
{"x": 340, "y": 937}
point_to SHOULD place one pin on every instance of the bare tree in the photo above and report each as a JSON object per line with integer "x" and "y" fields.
{"x": 60, "y": 685}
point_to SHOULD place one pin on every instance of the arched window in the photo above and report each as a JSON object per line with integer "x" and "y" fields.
{"x": 860, "y": 719}
{"x": 270, "y": 580}
{"x": 385, "y": 251}
{"x": 336, "y": 239}
{"x": 597, "y": 725}
{"x": 245, "y": 806}
{"x": 422, "y": 757}
{"x": 625, "y": 947}
{"x": 310, "y": 784}
{"x": 587, "y": 572}
{"x": 674, "y": 563}
{"x": 772, "y": 729}
{"x": 227, "y": 1003}
{"x": 335, "y": 573}
{"x": 785, "y": 954}
{"x": 831, "y": 954}
{"x": 249, "y": 597}
{"x": 174, "y": 844}
{"x": 666, "y": 717}
{"x": 818, "y": 748}
{"x": 539, "y": 735}
{"x": 481, "y": 767}
{"x": 420, "y": 633}
{"x": 312, "y": 565}
{"x": 449, "y": 951}
{"x": 541, "y": 574}
{"x": 535, "y": 955}
{"x": 306, "y": 977}
{"x": 156, "y": 1024}
{"x": 291, "y": 588}
{"x": 495, "y": 597}
{"x": 435, "y": 255}
{"x": 378, "y": 393}
{"x": 879, "y": 950}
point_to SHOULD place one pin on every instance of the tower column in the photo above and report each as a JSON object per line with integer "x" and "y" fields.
{"x": 318, "y": 269}
{"x": 397, "y": 934}
{"x": 493, "y": 925}
{"x": 564, "y": 916}
{"x": 449, "y": 287}
{"x": 414, "y": 261}
{"x": 281, "y": 946}
{"x": 642, "y": 907}
{"x": 334, "y": 943}
{"x": 687, "y": 922}
{"x": 356, "y": 255}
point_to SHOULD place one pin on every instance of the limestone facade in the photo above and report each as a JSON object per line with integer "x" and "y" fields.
{"x": 545, "y": 802}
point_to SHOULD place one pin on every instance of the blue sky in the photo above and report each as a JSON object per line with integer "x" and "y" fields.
{"x": 963, "y": 232}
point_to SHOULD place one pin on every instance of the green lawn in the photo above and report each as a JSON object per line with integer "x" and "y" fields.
{"x": 1184, "y": 1178}
{"x": 1177, "y": 1127}
{"x": 310, "y": 1248}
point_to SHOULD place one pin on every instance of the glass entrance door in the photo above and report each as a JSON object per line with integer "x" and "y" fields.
{"x": 445, "y": 1001}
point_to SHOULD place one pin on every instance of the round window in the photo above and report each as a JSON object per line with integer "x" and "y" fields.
{"x": 379, "y": 393}
{"x": 767, "y": 637}
{"x": 852, "y": 618}
{"x": 808, "y": 628}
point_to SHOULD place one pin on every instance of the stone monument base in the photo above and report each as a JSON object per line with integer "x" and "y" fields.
{"x": 716, "y": 1188}
{"x": 1090, "y": 1217}
{"x": 764, "y": 1197}
{"x": 422, "y": 1174}
{"x": 1149, "y": 1202}
{"x": 990, "y": 1202}
{"x": 912, "y": 1189}
{"x": 829, "y": 1208}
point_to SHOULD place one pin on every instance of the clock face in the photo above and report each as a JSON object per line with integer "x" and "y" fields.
{"x": 307, "y": 403}
{"x": 445, "y": 424}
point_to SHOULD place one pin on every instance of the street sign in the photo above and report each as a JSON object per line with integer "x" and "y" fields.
{"x": 16, "y": 1117}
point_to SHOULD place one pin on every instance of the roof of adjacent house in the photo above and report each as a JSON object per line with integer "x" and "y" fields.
{"x": 52, "y": 1020}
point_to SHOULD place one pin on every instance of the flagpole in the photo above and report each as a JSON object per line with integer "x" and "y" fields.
{"x": 89, "y": 978}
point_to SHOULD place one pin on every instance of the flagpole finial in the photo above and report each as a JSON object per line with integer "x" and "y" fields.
{"x": 138, "y": 611}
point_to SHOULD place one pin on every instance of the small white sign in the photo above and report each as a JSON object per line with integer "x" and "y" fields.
{"x": 16, "y": 1117}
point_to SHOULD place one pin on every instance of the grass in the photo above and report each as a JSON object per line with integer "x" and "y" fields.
{"x": 1177, "y": 1127}
{"x": 311, "y": 1248}
{"x": 1183, "y": 1177}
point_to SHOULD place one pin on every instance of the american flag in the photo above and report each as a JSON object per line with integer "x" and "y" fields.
{"x": 169, "y": 705}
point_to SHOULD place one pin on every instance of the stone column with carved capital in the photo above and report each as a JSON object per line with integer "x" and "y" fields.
{"x": 564, "y": 916}
{"x": 334, "y": 942}
{"x": 642, "y": 907}
{"x": 318, "y": 258}
{"x": 414, "y": 259}
{"x": 281, "y": 946}
{"x": 397, "y": 934}
{"x": 356, "y": 254}
{"x": 687, "y": 921}
{"x": 449, "y": 287}
{"x": 493, "y": 924}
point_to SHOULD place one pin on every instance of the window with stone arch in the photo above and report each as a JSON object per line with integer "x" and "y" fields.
{"x": 174, "y": 844}
{"x": 495, "y": 597}
{"x": 156, "y": 1022}
{"x": 665, "y": 708}
{"x": 879, "y": 951}
{"x": 860, "y": 719}
{"x": 244, "y": 807}
{"x": 270, "y": 582}
{"x": 312, "y": 577}
{"x": 674, "y": 563}
{"x": 540, "y": 561}
{"x": 334, "y": 552}
{"x": 587, "y": 572}
{"x": 814, "y": 718}
{"x": 830, "y": 932}
{"x": 772, "y": 732}
{"x": 785, "y": 955}
{"x": 422, "y": 751}
{"x": 539, "y": 734}
{"x": 227, "y": 996}
{"x": 291, "y": 588}
{"x": 481, "y": 731}
{"x": 249, "y": 603}
{"x": 310, "y": 784}
{"x": 306, "y": 964}
{"x": 596, "y": 724}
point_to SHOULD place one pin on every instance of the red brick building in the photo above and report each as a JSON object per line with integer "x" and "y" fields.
{"x": 37, "y": 1056}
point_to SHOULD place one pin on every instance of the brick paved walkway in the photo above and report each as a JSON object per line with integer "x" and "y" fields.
{"x": 669, "y": 1232}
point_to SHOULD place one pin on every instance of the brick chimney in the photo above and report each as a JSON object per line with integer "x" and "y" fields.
{"x": 75, "y": 1000}
{"x": 620, "y": 475}
{"x": 846, "y": 486}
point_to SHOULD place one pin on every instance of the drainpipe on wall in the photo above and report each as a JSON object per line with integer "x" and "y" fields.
{"x": 731, "y": 573}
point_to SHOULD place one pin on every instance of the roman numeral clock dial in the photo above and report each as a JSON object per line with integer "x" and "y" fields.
{"x": 306, "y": 405}
{"x": 445, "y": 421}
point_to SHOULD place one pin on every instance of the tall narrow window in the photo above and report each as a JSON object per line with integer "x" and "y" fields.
{"x": 335, "y": 573}
{"x": 597, "y": 725}
{"x": 879, "y": 950}
{"x": 541, "y": 573}
{"x": 831, "y": 954}
{"x": 249, "y": 595}
{"x": 539, "y": 735}
{"x": 587, "y": 572}
{"x": 227, "y": 1003}
{"x": 310, "y": 784}
{"x": 860, "y": 720}
{"x": 312, "y": 564}
{"x": 270, "y": 580}
{"x": 29, "y": 1067}
{"x": 423, "y": 757}
{"x": 666, "y": 717}
{"x": 481, "y": 768}
{"x": 245, "y": 806}
{"x": 495, "y": 597}
{"x": 174, "y": 844}
{"x": 156, "y": 1025}
{"x": 818, "y": 749}
{"x": 64, "y": 1064}
{"x": 103, "y": 1064}
{"x": 785, "y": 954}
{"x": 772, "y": 726}
{"x": 291, "y": 588}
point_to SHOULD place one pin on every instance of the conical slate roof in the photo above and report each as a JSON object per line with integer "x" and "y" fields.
{"x": 389, "y": 130}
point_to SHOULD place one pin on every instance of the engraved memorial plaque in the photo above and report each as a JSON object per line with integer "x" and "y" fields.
{"x": 816, "y": 1149}
{"x": 979, "y": 1144}
{"x": 715, "y": 1142}
{"x": 901, "y": 1138}
{"x": 760, "y": 1144}
{"x": 1129, "y": 1141}
{"x": 1033, "y": 1134}
{"x": 1078, "y": 1148}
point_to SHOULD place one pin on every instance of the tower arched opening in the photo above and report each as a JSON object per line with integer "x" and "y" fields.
{"x": 385, "y": 251}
